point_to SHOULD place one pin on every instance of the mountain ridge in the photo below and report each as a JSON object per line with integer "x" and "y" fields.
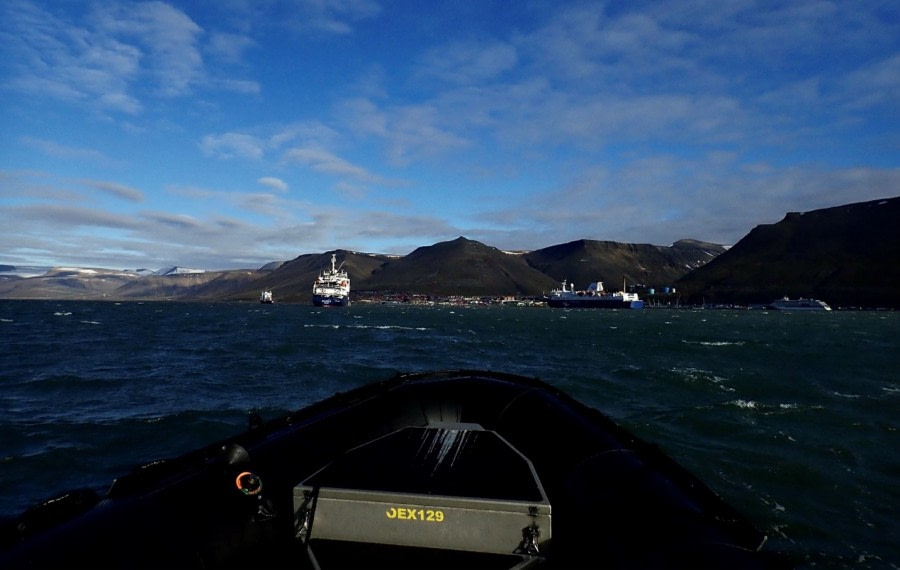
{"x": 455, "y": 267}
{"x": 844, "y": 255}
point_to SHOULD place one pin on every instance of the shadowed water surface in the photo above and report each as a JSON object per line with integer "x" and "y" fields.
{"x": 792, "y": 417}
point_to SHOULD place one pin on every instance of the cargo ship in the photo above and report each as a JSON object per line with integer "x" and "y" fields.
{"x": 594, "y": 297}
{"x": 332, "y": 287}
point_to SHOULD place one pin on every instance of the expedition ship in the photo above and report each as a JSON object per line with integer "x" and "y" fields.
{"x": 594, "y": 297}
{"x": 332, "y": 287}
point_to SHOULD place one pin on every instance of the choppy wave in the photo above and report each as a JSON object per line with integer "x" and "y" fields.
{"x": 365, "y": 327}
{"x": 715, "y": 342}
{"x": 789, "y": 422}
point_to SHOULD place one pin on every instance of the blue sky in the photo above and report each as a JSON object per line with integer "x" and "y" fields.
{"x": 229, "y": 133}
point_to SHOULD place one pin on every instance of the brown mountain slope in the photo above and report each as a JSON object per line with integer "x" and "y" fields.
{"x": 60, "y": 283}
{"x": 584, "y": 261}
{"x": 209, "y": 285}
{"x": 458, "y": 267}
{"x": 846, "y": 255}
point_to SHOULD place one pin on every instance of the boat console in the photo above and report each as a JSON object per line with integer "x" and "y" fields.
{"x": 455, "y": 487}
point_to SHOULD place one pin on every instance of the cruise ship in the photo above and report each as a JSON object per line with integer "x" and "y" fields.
{"x": 332, "y": 287}
{"x": 800, "y": 304}
{"x": 594, "y": 297}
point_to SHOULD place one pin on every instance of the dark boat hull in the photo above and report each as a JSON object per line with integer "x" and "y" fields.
{"x": 616, "y": 500}
{"x": 593, "y": 303}
{"x": 330, "y": 301}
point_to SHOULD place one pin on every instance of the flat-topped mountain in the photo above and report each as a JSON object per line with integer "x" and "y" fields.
{"x": 846, "y": 256}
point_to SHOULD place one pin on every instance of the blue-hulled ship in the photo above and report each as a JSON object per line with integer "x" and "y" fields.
{"x": 332, "y": 287}
{"x": 594, "y": 297}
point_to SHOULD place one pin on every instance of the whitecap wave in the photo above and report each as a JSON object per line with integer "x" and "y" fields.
{"x": 715, "y": 342}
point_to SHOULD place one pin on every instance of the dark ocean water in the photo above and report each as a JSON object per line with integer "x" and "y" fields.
{"x": 794, "y": 418}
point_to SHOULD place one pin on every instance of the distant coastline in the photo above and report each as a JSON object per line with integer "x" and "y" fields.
{"x": 843, "y": 256}
{"x": 23, "y": 271}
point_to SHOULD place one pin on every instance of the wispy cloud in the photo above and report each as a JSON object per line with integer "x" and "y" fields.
{"x": 228, "y": 46}
{"x": 114, "y": 55}
{"x": 468, "y": 62}
{"x": 233, "y": 145}
{"x": 67, "y": 216}
{"x": 118, "y": 190}
{"x": 57, "y": 150}
{"x": 335, "y": 17}
{"x": 323, "y": 161}
{"x": 69, "y": 61}
{"x": 523, "y": 127}
{"x": 176, "y": 221}
{"x": 273, "y": 183}
{"x": 167, "y": 37}
{"x": 410, "y": 132}
{"x": 875, "y": 84}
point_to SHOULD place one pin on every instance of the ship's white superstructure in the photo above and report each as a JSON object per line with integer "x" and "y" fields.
{"x": 594, "y": 297}
{"x": 332, "y": 287}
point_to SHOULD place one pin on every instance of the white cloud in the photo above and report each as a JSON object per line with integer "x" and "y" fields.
{"x": 115, "y": 55}
{"x": 329, "y": 16}
{"x": 468, "y": 62}
{"x": 167, "y": 37}
{"x": 66, "y": 60}
{"x": 326, "y": 162}
{"x": 241, "y": 86}
{"x": 409, "y": 132}
{"x": 66, "y": 216}
{"x": 232, "y": 145}
{"x": 875, "y": 84}
{"x": 627, "y": 121}
{"x": 306, "y": 132}
{"x": 118, "y": 190}
{"x": 228, "y": 46}
{"x": 56, "y": 150}
{"x": 273, "y": 183}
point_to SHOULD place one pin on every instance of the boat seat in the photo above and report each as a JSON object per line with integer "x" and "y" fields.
{"x": 451, "y": 486}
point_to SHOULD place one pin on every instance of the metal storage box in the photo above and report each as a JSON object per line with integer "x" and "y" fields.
{"x": 448, "y": 486}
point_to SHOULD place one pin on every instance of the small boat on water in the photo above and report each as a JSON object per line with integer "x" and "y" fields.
{"x": 332, "y": 287}
{"x": 452, "y": 469}
{"x": 801, "y": 304}
{"x": 594, "y": 297}
{"x": 266, "y": 298}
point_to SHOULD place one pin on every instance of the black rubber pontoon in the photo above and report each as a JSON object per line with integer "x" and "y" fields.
{"x": 441, "y": 469}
